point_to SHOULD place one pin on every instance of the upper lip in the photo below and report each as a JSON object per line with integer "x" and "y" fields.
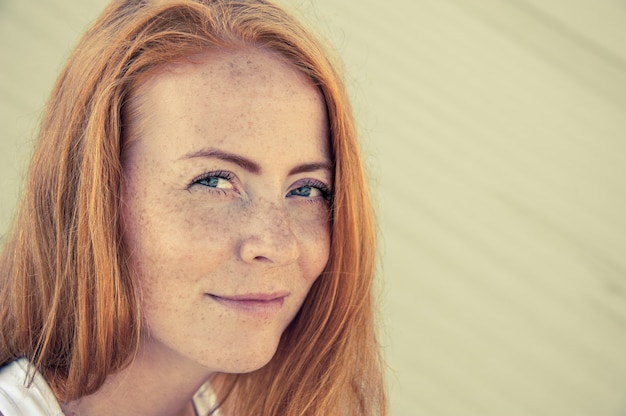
{"x": 259, "y": 297}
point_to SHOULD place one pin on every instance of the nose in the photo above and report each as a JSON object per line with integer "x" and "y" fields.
{"x": 268, "y": 237}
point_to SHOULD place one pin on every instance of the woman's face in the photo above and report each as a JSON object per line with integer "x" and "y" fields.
{"x": 225, "y": 205}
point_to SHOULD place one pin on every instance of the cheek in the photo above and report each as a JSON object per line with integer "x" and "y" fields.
{"x": 170, "y": 237}
{"x": 313, "y": 234}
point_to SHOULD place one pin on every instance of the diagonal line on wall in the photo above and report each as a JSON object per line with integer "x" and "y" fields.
{"x": 575, "y": 54}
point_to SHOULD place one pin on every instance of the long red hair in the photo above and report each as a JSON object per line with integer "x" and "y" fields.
{"x": 67, "y": 299}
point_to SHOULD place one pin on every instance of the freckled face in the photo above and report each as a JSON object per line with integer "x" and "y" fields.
{"x": 225, "y": 205}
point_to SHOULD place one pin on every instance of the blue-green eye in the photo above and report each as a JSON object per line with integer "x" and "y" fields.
{"x": 215, "y": 182}
{"x": 312, "y": 190}
{"x": 305, "y": 191}
{"x": 218, "y": 180}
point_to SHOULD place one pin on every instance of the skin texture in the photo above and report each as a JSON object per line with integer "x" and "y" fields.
{"x": 223, "y": 202}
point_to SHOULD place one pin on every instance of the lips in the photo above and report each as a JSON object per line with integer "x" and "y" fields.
{"x": 261, "y": 305}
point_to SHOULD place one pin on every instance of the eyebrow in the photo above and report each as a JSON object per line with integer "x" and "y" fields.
{"x": 241, "y": 161}
{"x": 252, "y": 166}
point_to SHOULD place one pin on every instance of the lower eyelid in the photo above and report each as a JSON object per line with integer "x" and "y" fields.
{"x": 320, "y": 202}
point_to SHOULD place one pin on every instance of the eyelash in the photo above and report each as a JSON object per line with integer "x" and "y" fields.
{"x": 324, "y": 190}
{"x": 229, "y": 176}
{"x": 221, "y": 174}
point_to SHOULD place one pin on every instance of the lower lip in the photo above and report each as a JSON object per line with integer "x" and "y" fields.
{"x": 256, "y": 308}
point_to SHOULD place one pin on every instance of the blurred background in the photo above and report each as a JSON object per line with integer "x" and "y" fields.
{"x": 495, "y": 136}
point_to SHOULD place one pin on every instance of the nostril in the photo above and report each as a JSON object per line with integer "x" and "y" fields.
{"x": 262, "y": 259}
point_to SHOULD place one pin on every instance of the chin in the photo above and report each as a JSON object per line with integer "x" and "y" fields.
{"x": 248, "y": 358}
{"x": 250, "y": 367}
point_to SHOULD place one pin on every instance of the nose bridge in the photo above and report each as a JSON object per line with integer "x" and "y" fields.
{"x": 273, "y": 218}
{"x": 270, "y": 236}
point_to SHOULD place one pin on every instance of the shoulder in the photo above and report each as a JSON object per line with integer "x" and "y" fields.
{"x": 20, "y": 397}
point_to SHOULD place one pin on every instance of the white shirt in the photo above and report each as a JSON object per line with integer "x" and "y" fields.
{"x": 18, "y": 398}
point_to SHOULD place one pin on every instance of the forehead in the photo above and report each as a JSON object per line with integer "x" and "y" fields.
{"x": 229, "y": 98}
{"x": 250, "y": 72}
{"x": 255, "y": 71}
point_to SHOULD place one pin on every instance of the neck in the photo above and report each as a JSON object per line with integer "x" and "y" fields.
{"x": 157, "y": 382}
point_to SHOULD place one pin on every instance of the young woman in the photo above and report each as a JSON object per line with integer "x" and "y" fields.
{"x": 196, "y": 235}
